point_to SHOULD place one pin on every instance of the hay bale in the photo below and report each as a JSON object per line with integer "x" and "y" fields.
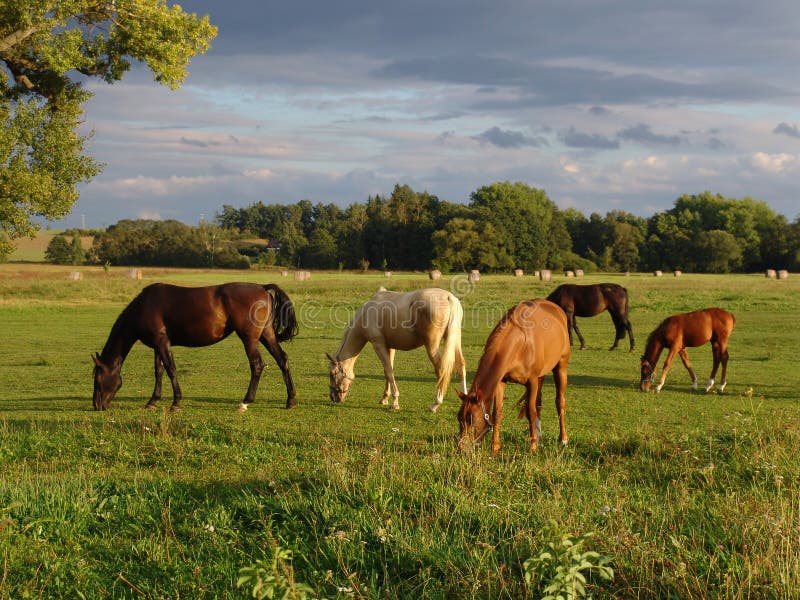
{"x": 771, "y": 274}
{"x": 536, "y": 273}
{"x": 545, "y": 275}
{"x": 135, "y": 274}
{"x": 387, "y": 274}
{"x": 657, "y": 273}
{"x": 435, "y": 274}
{"x": 474, "y": 275}
{"x": 783, "y": 274}
{"x": 75, "y": 275}
{"x": 677, "y": 273}
{"x": 284, "y": 273}
{"x": 302, "y": 275}
{"x": 518, "y": 272}
{"x": 627, "y": 273}
{"x": 578, "y": 272}
{"x": 569, "y": 273}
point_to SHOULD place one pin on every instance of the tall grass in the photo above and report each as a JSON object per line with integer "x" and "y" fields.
{"x": 691, "y": 495}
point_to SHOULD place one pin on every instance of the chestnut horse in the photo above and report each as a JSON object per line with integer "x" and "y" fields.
{"x": 164, "y": 315}
{"x": 530, "y": 340}
{"x": 591, "y": 300}
{"x": 402, "y": 321}
{"x": 688, "y": 330}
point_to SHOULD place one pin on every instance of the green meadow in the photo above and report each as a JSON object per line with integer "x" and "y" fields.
{"x": 687, "y": 495}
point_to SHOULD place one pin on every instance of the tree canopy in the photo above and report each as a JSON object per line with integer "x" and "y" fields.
{"x": 47, "y": 50}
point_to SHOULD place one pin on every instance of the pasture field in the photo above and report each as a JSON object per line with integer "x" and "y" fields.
{"x": 691, "y": 495}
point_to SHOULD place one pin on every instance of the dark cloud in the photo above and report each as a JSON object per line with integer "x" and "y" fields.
{"x": 198, "y": 143}
{"x": 787, "y": 129}
{"x": 599, "y": 111}
{"x": 643, "y": 134}
{"x": 577, "y": 139}
{"x": 503, "y": 138}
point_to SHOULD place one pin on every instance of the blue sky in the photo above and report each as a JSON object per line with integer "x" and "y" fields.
{"x": 604, "y": 104}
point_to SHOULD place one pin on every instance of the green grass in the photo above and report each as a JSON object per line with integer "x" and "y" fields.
{"x": 693, "y": 495}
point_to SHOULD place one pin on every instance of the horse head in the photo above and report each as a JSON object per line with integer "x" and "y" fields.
{"x": 648, "y": 375}
{"x": 474, "y": 421}
{"x": 107, "y": 381}
{"x": 340, "y": 380}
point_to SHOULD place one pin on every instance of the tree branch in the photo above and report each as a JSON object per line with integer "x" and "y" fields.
{"x": 15, "y": 38}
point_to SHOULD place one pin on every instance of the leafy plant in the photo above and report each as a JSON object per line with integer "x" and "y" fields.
{"x": 562, "y": 567}
{"x": 274, "y": 580}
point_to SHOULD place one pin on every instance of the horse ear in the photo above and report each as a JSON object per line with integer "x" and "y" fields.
{"x": 330, "y": 358}
{"x": 96, "y": 359}
{"x": 461, "y": 394}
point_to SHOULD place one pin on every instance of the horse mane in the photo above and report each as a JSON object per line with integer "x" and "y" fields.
{"x": 118, "y": 327}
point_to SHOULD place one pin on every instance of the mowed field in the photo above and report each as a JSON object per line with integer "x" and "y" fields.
{"x": 691, "y": 495}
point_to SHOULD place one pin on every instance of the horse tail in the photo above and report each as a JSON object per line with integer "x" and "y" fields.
{"x": 452, "y": 344}
{"x": 284, "y": 321}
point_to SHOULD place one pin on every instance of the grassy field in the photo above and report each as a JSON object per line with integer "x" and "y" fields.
{"x": 690, "y": 495}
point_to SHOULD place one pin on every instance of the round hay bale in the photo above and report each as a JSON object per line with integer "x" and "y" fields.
{"x": 284, "y": 273}
{"x": 474, "y": 275}
{"x": 627, "y": 273}
{"x": 771, "y": 274}
{"x": 435, "y": 274}
{"x": 75, "y": 275}
{"x": 657, "y": 273}
{"x": 518, "y": 272}
{"x": 545, "y": 275}
{"x": 536, "y": 273}
{"x": 783, "y": 274}
{"x": 569, "y": 273}
{"x": 135, "y": 273}
{"x": 677, "y": 273}
{"x": 302, "y": 275}
{"x": 387, "y": 274}
{"x": 578, "y": 272}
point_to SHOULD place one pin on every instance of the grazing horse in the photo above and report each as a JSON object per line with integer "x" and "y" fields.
{"x": 402, "y": 321}
{"x": 164, "y": 315}
{"x": 688, "y": 330}
{"x": 530, "y": 340}
{"x": 591, "y": 300}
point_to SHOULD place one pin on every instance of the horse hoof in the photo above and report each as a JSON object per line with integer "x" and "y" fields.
{"x": 174, "y": 408}
{"x": 384, "y": 402}
{"x": 291, "y": 404}
{"x": 434, "y": 407}
{"x": 241, "y": 408}
{"x": 150, "y": 406}
{"x": 395, "y": 407}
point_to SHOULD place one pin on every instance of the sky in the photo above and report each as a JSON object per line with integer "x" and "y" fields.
{"x": 604, "y": 104}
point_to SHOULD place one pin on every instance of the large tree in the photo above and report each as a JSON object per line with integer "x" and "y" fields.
{"x": 47, "y": 49}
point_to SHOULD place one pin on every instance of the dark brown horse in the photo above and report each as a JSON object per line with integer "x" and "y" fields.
{"x": 688, "y": 330}
{"x": 591, "y": 300}
{"x": 530, "y": 340}
{"x": 164, "y": 315}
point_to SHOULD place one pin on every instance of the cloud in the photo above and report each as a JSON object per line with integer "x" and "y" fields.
{"x": 787, "y": 129}
{"x": 775, "y": 163}
{"x": 577, "y": 139}
{"x": 504, "y": 138}
{"x": 643, "y": 134}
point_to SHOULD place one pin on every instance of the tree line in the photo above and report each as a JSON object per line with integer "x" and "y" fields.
{"x": 504, "y": 226}
{"x": 512, "y": 225}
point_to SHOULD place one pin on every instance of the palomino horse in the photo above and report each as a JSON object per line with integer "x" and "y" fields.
{"x": 688, "y": 330}
{"x": 530, "y": 340}
{"x": 402, "y": 321}
{"x": 591, "y": 300}
{"x": 164, "y": 315}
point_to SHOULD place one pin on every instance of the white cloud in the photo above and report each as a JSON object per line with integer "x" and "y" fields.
{"x": 775, "y": 163}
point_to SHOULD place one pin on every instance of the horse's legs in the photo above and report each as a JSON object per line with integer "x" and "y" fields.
{"x": 158, "y": 368}
{"x": 435, "y": 356}
{"x": 629, "y": 327}
{"x": 270, "y": 342}
{"x": 688, "y": 364}
{"x": 667, "y": 364}
{"x": 560, "y": 377}
{"x": 533, "y": 402}
{"x": 164, "y": 352}
{"x": 724, "y": 380}
{"x": 386, "y": 355}
{"x": 619, "y": 331}
{"x": 256, "y": 367}
{"x": 497, "y": 416}
{"x": 716, "y": 352}
{"x": 577, "y": 331}
{"x": 570, "y": 323}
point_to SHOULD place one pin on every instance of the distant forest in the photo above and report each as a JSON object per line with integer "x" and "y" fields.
{"x": 504, "y": 226}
